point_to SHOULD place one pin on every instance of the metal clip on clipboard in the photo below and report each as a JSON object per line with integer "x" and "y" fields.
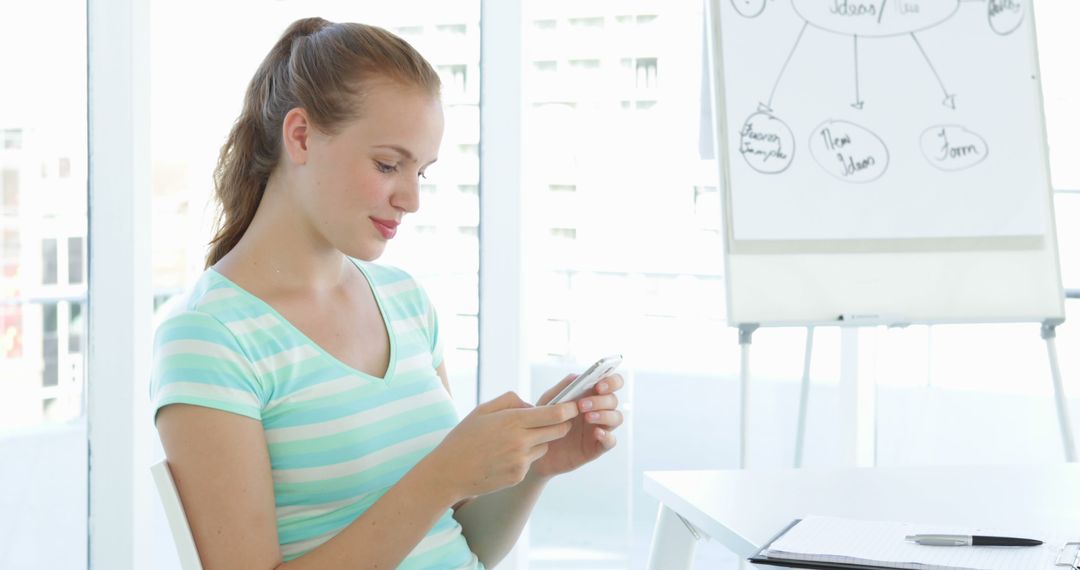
{"x": 1075, "y": 564}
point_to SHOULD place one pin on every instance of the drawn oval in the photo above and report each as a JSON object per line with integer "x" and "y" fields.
{"x": 952, "y": 147}
{"x": 875, "y": 18}
{"x": 1004, "y": 15}
{"x": 749, "y": 8}
{"x": 848, "y": 151}
{"x": 766, "y": 143}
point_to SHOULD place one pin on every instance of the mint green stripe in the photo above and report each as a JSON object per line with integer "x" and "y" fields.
{"x": 359, "y": 436}
{"x": 350, "y": 481}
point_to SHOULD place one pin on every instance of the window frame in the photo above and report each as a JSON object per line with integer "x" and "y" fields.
{"x": 118, "y": 313}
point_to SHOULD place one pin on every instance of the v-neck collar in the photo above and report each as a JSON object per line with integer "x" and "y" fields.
{"x": 392, "y": 362}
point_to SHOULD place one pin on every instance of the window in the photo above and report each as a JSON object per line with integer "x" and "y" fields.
{"x": 438, "y": 245}
{"x": 645, "y": 72}
{"x": 9, "y": 259}
{"x": 452, "y": 29}
{"x": 75, "y": 260}
{"x": 454, "y": 78}
{"x": 409, "y": 32}
{"x": 48, "y": 261}
{"x": 546, "y": 68}
{"x": 585, "y": 63}
{"x": 707, "y": 207}
{"x": 592, "y": 22}
{"x": 12, "y": 139}
{"x": 75, "y": 328}
{"x": 615, "y": 214}
{"x": 9, "y": 182}
{"x": 49, "y": 352}
{"x": 563, "y": 233}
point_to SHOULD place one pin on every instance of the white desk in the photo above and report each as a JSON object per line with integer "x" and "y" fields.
{"x": 743, "y": 509}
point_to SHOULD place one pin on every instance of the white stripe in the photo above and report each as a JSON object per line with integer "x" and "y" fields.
{"x": 205, "y": 348}
{"x": 358, "y": 420}
{"x": 433, "y": 541}
{"x": 293, "y": 355}
{"x": 410, "y": 324}
{"x": 427, "y": 544}
{"x": 305, "y": 545}
{"x": 310, "y": 511}
{"x": 413, "y": 363}
{"x": 397, "y": 288}
{"x": 246, "y": 326}
{"x": 208, "y": 391}
{"x": 217, "y": 295}
{"x": 361, "y": 464}
{"x": 320, "y": 390}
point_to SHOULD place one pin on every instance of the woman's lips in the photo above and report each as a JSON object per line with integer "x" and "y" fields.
{"x": 386, "y": 227}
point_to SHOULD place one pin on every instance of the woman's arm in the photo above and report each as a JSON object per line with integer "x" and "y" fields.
{"x": 222, "y": 470}
{"x": 492, "y": 523}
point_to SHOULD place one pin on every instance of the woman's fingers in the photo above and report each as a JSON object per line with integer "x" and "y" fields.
{"x": 606, "y": 438}
{"x": 609, "y": 419}
{"x": 545, "y": 434}
{"x": 541, "y": 416}
{"x": 610, "y": 384}
{"x": 597, "y": 403}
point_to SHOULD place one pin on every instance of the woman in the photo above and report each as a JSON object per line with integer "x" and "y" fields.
{"x": 301, "y": 397}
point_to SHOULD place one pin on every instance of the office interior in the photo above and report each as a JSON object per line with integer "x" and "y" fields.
{"x": 576, "y": 211}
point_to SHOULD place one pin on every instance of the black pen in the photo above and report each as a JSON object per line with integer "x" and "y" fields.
{"x": 969, "y": 540}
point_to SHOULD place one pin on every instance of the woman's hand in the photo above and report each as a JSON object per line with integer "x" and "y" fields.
{"x": 496, "y": 444}
{"x": 591, "y": 433}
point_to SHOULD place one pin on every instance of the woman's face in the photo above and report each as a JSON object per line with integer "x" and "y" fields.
{"x": 360, "y": 182}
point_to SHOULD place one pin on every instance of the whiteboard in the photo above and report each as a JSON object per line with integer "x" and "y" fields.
{"x": 882, "y": 158}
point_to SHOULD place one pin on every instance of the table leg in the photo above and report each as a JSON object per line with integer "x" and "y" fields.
{"x": 673, "y": 543}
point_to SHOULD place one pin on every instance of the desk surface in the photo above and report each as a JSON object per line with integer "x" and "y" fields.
{"x": 743, "y": 509}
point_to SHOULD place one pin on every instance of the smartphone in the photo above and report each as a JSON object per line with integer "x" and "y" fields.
{"x": 586, "y": 380}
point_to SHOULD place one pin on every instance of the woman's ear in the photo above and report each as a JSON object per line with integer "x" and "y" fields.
{"x": 295, "y": 132}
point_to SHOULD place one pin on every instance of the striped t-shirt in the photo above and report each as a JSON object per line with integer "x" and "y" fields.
{"x": 338, "y": 438}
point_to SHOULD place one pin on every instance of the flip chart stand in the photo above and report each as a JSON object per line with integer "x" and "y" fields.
{"x": 746, "y": 332}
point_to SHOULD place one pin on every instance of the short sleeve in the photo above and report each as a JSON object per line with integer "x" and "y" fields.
{"x": 198, "y": 361}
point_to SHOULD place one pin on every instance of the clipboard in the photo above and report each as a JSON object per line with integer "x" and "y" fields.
{"x": 1068, "y": 557}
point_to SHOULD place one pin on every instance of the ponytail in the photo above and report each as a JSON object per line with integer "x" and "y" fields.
{"x": 322, "y": 67}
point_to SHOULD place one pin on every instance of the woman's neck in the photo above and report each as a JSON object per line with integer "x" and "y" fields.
{"x": 281, "y": 251}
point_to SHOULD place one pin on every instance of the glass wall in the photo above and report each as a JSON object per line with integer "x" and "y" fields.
{"x": 43, "y": 228}
{"x": 198, "y": 86}
{"x": 202, "y": 61}
{"x": 625, "y": 248}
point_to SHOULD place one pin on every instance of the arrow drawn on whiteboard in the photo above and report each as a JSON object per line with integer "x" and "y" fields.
{"x": 950, "y": 98}
{"x": 858, "y": 102}
{"x": 786, "y": 61}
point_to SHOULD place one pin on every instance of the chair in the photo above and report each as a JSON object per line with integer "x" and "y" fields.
{"x": 174, "y": 512}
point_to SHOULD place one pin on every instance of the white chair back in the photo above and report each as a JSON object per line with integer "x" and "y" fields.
{"x": 174, "y": 512}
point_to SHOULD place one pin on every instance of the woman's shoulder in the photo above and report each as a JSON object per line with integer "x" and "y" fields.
{"x": 211, "y": 300}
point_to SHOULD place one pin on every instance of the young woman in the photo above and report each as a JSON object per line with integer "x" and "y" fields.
{"x": 301, "y": 397}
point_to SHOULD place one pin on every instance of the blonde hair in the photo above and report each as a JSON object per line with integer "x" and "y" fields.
{"x": 324, "y": 68}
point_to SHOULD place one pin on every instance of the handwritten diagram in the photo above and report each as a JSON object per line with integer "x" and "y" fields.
{"x": 845, "y": 149}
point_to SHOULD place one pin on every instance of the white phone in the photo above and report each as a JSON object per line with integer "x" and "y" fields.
{"x": 599, "y": 370}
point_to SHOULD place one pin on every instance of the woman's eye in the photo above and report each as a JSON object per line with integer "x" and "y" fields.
{"x": 385, "y": 168}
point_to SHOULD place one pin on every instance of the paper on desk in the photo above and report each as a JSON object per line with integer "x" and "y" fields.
{"x": 879, "y": 543}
